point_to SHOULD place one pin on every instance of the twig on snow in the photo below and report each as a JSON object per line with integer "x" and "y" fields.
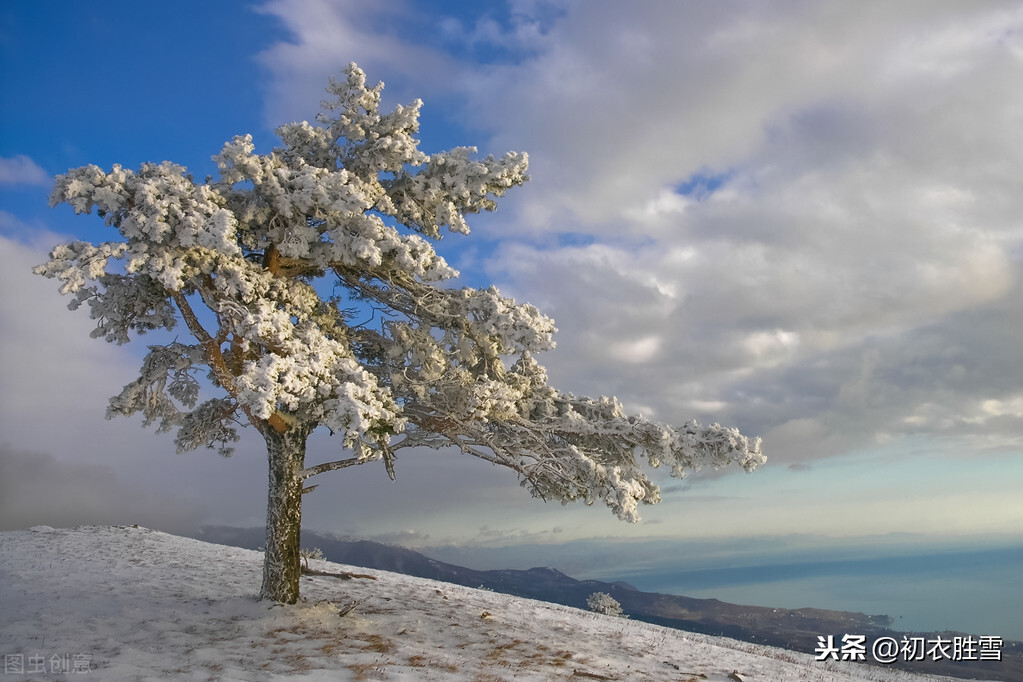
{"x": 342, "y": 576}
{"x": 592, "y": 676}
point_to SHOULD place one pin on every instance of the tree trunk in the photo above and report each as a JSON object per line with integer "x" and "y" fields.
{"x": 281, "y": 563}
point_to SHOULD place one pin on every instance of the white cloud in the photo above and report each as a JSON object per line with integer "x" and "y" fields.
{"x": 637, "y": 351}
{"x": 328, "y": 34}
{"x": 866, "y": 203}
{"x": 771, "y": 348}
{"x": 847, "y": 275}
{"x": 21, "y": 170}
{"x": 1012, "y": 405}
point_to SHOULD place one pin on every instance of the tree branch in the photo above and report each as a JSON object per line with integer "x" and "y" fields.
{"x": 272, "y": 259}
{"x": 215, "y": 358}
{"x": 468, "y": 443}
{"x": 331, "y": 466}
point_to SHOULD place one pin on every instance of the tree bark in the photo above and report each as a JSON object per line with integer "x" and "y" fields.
{"x": 282, "y": 565}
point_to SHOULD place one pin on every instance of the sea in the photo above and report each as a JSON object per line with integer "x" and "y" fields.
{"x": 978, "y": 592}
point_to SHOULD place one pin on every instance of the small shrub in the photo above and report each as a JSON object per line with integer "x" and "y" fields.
{"x": 602, "y": 602}
{"x": 307, "y": 554}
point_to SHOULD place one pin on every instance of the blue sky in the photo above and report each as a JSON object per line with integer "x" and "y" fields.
{"x": 803, "y": 219}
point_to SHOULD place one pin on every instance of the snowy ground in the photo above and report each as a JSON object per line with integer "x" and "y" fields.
{"x": 128, "y": 603}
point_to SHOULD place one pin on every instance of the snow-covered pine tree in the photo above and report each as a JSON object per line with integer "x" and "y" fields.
{"x": 349, "y": 206}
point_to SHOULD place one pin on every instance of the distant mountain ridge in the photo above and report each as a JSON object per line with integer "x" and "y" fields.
{"x": 794, "y": 629}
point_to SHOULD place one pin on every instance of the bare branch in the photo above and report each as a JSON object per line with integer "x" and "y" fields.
{"x": 332, "y": 466}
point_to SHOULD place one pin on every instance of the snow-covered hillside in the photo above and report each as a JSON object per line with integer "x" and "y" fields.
{"x": 128, "y": 603}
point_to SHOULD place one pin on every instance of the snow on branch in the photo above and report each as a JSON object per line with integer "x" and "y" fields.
{"x": 349, "y": 204}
